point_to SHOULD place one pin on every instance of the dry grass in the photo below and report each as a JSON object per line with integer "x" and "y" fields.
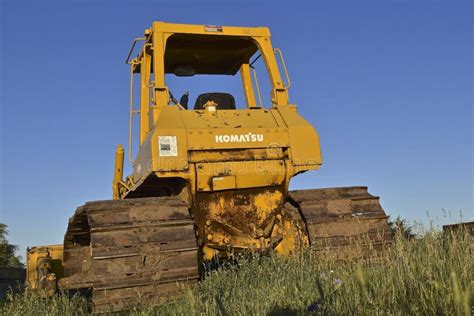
{"x": 429, "y": 275}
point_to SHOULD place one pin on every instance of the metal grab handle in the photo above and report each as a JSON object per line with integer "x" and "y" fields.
{"x": 288, "y": 85}
{"x": 127, "y": 61}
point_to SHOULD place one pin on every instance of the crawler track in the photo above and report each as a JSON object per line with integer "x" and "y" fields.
{"x": 130, "y": 251}
{"x": 342, "y": 217}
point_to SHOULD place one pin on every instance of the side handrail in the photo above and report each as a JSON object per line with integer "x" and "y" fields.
{"x": 132, "y": 64}
{"x": 288, "y": 85}
{"x": 132, "y": 112}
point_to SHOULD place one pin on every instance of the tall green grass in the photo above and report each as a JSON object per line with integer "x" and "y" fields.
{"x": 429, "y": 275}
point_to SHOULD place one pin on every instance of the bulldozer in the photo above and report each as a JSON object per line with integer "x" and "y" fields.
{"x": 209, "y": 181}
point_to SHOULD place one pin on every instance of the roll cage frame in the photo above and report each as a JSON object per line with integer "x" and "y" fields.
{"x": 150, "y": 60}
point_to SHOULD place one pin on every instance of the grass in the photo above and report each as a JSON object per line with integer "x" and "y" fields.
{"x": 429, "y": 275}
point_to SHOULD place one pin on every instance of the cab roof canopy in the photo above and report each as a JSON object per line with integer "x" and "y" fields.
{"x": 208, "y": 54}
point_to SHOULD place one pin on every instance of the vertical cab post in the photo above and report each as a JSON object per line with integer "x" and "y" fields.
{"x": 160, "y": 90}
{"x": 118, "y": 171}
{"x": 145, "y": 70}
{"x": 247, "y": 85}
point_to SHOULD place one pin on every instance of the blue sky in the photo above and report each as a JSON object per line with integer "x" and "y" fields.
{"x": 388, "y": 85}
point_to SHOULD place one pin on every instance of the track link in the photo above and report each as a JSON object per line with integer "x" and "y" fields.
{"x": 130, "y": 251}
{"x": 342, "y": 217}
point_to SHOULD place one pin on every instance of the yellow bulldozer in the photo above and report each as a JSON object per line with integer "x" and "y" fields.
{"x": 209, "y": 181}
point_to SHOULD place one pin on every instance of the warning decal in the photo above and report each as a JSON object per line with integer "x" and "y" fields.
{"x": 168, "y": 146}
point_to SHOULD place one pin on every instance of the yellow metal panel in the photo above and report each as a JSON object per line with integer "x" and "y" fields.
{"x": 228, "y": 138}
{"x": 223, "y": 183}
{"x": 248, "y": 174}
{"x": 201, "y": 29}
{"x": 236, "y": 119}
{"x": 143, "y": 165}
{"x": 237, "y": 154}
{"x": 305, "y": 146}
{"x": 169, "y": 145}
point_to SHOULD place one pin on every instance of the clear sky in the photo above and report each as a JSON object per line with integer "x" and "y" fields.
{"x": 388, "y": 85}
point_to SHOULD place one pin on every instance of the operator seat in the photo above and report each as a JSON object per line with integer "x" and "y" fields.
{"x": 225, "y": 101}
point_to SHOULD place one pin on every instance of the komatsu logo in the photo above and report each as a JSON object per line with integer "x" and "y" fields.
{"x": 242, "y": 138}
